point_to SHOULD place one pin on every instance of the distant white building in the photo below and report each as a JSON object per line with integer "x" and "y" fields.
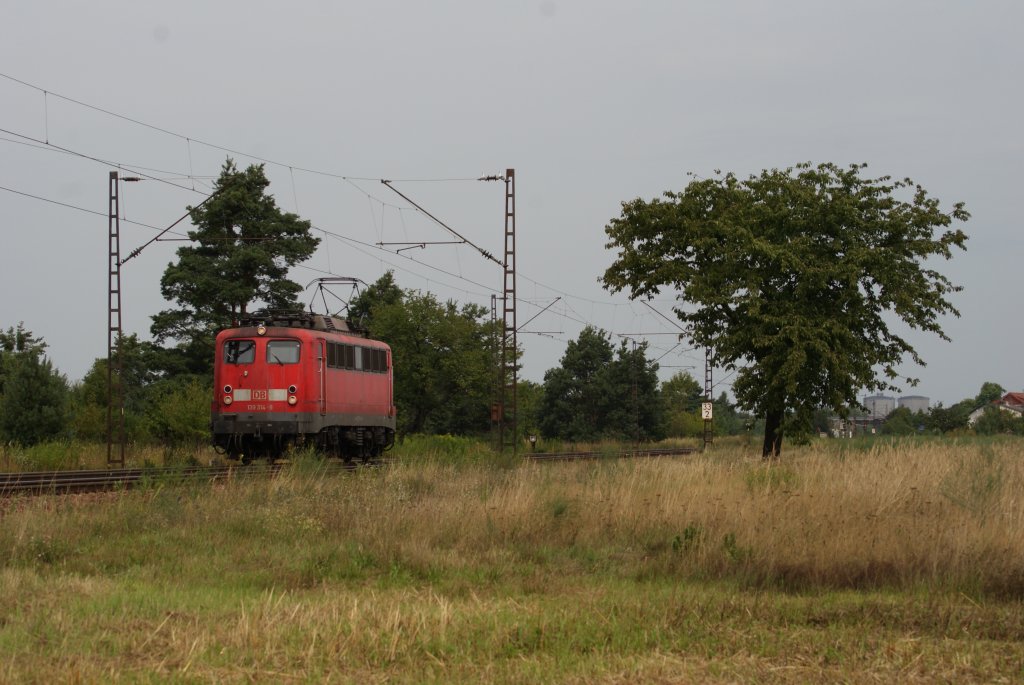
{"x": 879, "y": 406}
{"x": 1012, "y": 402}
{"x": 915, "y": 403}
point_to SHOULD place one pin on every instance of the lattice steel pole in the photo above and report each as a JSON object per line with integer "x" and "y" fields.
{"x": 115, "y": 368}
{"x": 509, "y": 348}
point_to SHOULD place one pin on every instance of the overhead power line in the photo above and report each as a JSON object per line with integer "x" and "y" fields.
{"x": 350, "y": 179}
{"x": 448, "y": 228}
{"x": 164, "y": 230}
{"x": 76, "y": 207}
{"x": 99, "y": 160}
{"x": 189, "y": 140}
{"x": 172, "y": 175}
{"x": 192, "y": 139}
{"x": 337, "y": 236}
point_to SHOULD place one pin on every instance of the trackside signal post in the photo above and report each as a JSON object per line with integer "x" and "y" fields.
{"x": 706, "y": 405}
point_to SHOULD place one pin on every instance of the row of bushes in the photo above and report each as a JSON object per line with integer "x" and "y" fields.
{"x": 38, "y": 405}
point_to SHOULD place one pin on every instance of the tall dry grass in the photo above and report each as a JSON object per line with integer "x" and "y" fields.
{"x": 450, "y": 567}
{"x": 903, "y": 515}
{"x": 895, "y": 515}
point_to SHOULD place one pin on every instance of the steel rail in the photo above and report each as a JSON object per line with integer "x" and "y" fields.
{"x": 597, "y": 454}
{"x": 65, "y": 482}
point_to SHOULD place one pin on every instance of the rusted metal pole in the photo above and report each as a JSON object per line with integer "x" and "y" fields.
{"x": 115, "y": 366}
{"x": 509, "y": 347}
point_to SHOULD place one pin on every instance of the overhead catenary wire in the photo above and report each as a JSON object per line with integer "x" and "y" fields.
{"x": 76, "y": 207}
{"x": 448, "y": 228}
{"x": 332, "y": 234}
{"x": 348, "y": 179}
{"x": 188, "y": 139}
{"x": 127, "y": 166}
{"x": 215, "y": 146}
{"x": 133, "y": 169}
{"x": 79, "y": 208}
{"x": 136, "y": 251}
{"x": 337, "y": 236}
{"x": 99, "y": 160}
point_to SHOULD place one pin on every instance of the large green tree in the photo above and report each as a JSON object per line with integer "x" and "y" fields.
{"x": 244, "y": 246}
{"x": 139, "y": 361}
{"x": 793, "y": 277}
{"x": 576, "y": 392}
{"x": 681, "y": 395}
{"x": 948, "y": 419}
{"x": 13, "y": 342}
{"x": 529, "y": 396}
{"x": 634, "y": 407}
{"x": 383, "y": 291}
{"x": 597, "y": 392}
{"x": 990, "y": 392}
{"x": 444, "y": 367}
{"x": 901, "y": 421}
{"x": 33, "y": 394}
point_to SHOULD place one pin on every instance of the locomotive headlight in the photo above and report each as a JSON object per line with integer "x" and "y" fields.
{"x": 292, "y": 389}
{"x": 227, "y": 399}
{"x": 227, "y": 389}
{"x": 261, "y": 330}
{"x": 292, "y": 400}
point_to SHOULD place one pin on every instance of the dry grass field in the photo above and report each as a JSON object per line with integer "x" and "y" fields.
{"x": 897, "y": 562}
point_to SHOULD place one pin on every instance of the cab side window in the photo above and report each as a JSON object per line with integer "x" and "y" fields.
{"x": 283, "y": 351}
{"x": 239, "y": 351}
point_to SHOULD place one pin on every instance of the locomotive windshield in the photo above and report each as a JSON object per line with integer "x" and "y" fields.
{"x": 239, "y": 352}
{"x": 283, "y": 351}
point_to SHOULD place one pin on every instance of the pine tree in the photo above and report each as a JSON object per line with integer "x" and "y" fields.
{"x": 245, "y": 246}
{"x": 34, "y": 403}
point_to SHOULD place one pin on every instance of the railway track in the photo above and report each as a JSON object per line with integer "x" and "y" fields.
{"x": 67, "y": 482}
{"x": 64, "y": 482}
{"x": 628, "y": 454}
{"x": 61, "y": 482}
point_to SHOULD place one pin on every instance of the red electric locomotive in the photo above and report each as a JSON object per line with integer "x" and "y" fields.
{"x": 296, "y": 378}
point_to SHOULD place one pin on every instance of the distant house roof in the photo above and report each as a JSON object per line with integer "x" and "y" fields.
{"x": 1013, "y": 398}
{"x": 1012, "y": 402}
{"x": 1002, "y": 405}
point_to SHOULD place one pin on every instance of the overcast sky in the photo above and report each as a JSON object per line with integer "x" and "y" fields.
{"x": 591, "y": 102}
